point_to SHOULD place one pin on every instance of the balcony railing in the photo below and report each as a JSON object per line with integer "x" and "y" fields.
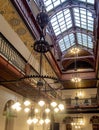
{"x": 81, "y": 102}
{"x": 15, "y": 58}
{"x": 11, "y": 54}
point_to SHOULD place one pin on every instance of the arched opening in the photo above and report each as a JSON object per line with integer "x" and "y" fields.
{"x": 68, "y": 120}
{"x": 9, "y": 115}
{"x": 95, "y": 122}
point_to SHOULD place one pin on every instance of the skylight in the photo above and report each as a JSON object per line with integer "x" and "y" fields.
{"x": 84, "y": 40}
{"x": 66, "y": 42}
{"x": 83, "y": 18}
{"x": 88, "y": 1}
{"x": 61, "y": 21}
{"x": 50, "y": 4}
{"x": 68, "y": 19}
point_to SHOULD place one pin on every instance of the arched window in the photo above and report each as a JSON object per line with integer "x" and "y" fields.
{"x": 68, "y": 120}
{"x": 9, "y": 115}
{"x": 95, "y": 122}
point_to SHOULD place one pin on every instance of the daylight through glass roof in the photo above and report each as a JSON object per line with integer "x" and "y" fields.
{"x": 50, "y": 4}
{"x": 71, "y": 18}
{"x": 84, "y": 40}
{"x": 66, "y": 42}
{"x": 61, "y": 21}
{"x": 88, "y": 1}
{"x": 83, "y": 18}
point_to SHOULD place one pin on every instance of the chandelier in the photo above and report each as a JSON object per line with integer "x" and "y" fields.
{"x": 75, "y": 77}
{"x": 78, "y": 122}
{"x": 38, "y": 112}
{"x": 75, "y": 50}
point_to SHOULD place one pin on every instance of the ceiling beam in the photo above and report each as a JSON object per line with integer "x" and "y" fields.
{"x": 90, "y": 51}
{"x": 82, "y": 75}
{"x": 87, "y": 87}
{"x": 77, "y": 30}
{"x": 79, "y": 57}
{"x": 67, "y": 4}
{"x": 79, "y": 111}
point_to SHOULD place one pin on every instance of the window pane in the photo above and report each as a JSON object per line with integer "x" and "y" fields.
{"x": 61, "y": 21}
{"x": 84, "y": 40}
{"x": 49, "y": 7}
{"x": 50, "y": 4}
{"x": 88, "y": 1}
{"x": 67, "y": 41}
{"x": 83, "y": 18}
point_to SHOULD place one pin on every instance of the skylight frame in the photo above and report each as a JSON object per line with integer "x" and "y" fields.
{"x": 88, "y": 1}
{"x": 83, "y": 18}
{"x": 66, "y": 42}
{"x": 84, "y": 21}
{"x": 61, "y": 19}
{"x": 84, "y": 40}
{"x": 51, "y": 4}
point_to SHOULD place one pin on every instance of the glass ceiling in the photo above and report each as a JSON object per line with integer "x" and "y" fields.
{"x": 61, "y": 21}
{"x": 67, "y": 18}
{"x": 50, "y": 4}
{"x": 66, "y": 42}
{"x": 84, "y": 40}
{"x": 83, "y": 18}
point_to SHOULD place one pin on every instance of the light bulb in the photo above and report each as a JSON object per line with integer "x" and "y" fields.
{"x": 53, "y": 104}
{"x": 47, "y": 110}
{"x": 29, "y": 121}
{"x": 61, "y": 107}
{"x": 82, "y": 122}
{"x": 56, "y": 109}
{"x": 27, "y": 109}
{"x": 41, "y": 103}
{"x": 47, "y": 120}
{"x": 34, "y": 120}
{"x": 41, "y": 121}
{"x": 16, "y": 106}
{"x": 72, "y": 123}
{"x": 27, "y": 103}
{"x": 36, "y": 110}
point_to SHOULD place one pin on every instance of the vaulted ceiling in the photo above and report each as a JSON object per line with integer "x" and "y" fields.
{"x": 73, "y": 23}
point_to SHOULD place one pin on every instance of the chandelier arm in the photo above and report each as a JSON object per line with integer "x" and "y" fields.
{"x": 40, "y": 64}
{"x": 41, "y": 76}
{"x": 75, "y": 62}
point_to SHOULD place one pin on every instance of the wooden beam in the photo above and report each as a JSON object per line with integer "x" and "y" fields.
{"x": 79, "y": 57}
{"x": 6, "y": 65}
{"x": 87, "y": 75}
